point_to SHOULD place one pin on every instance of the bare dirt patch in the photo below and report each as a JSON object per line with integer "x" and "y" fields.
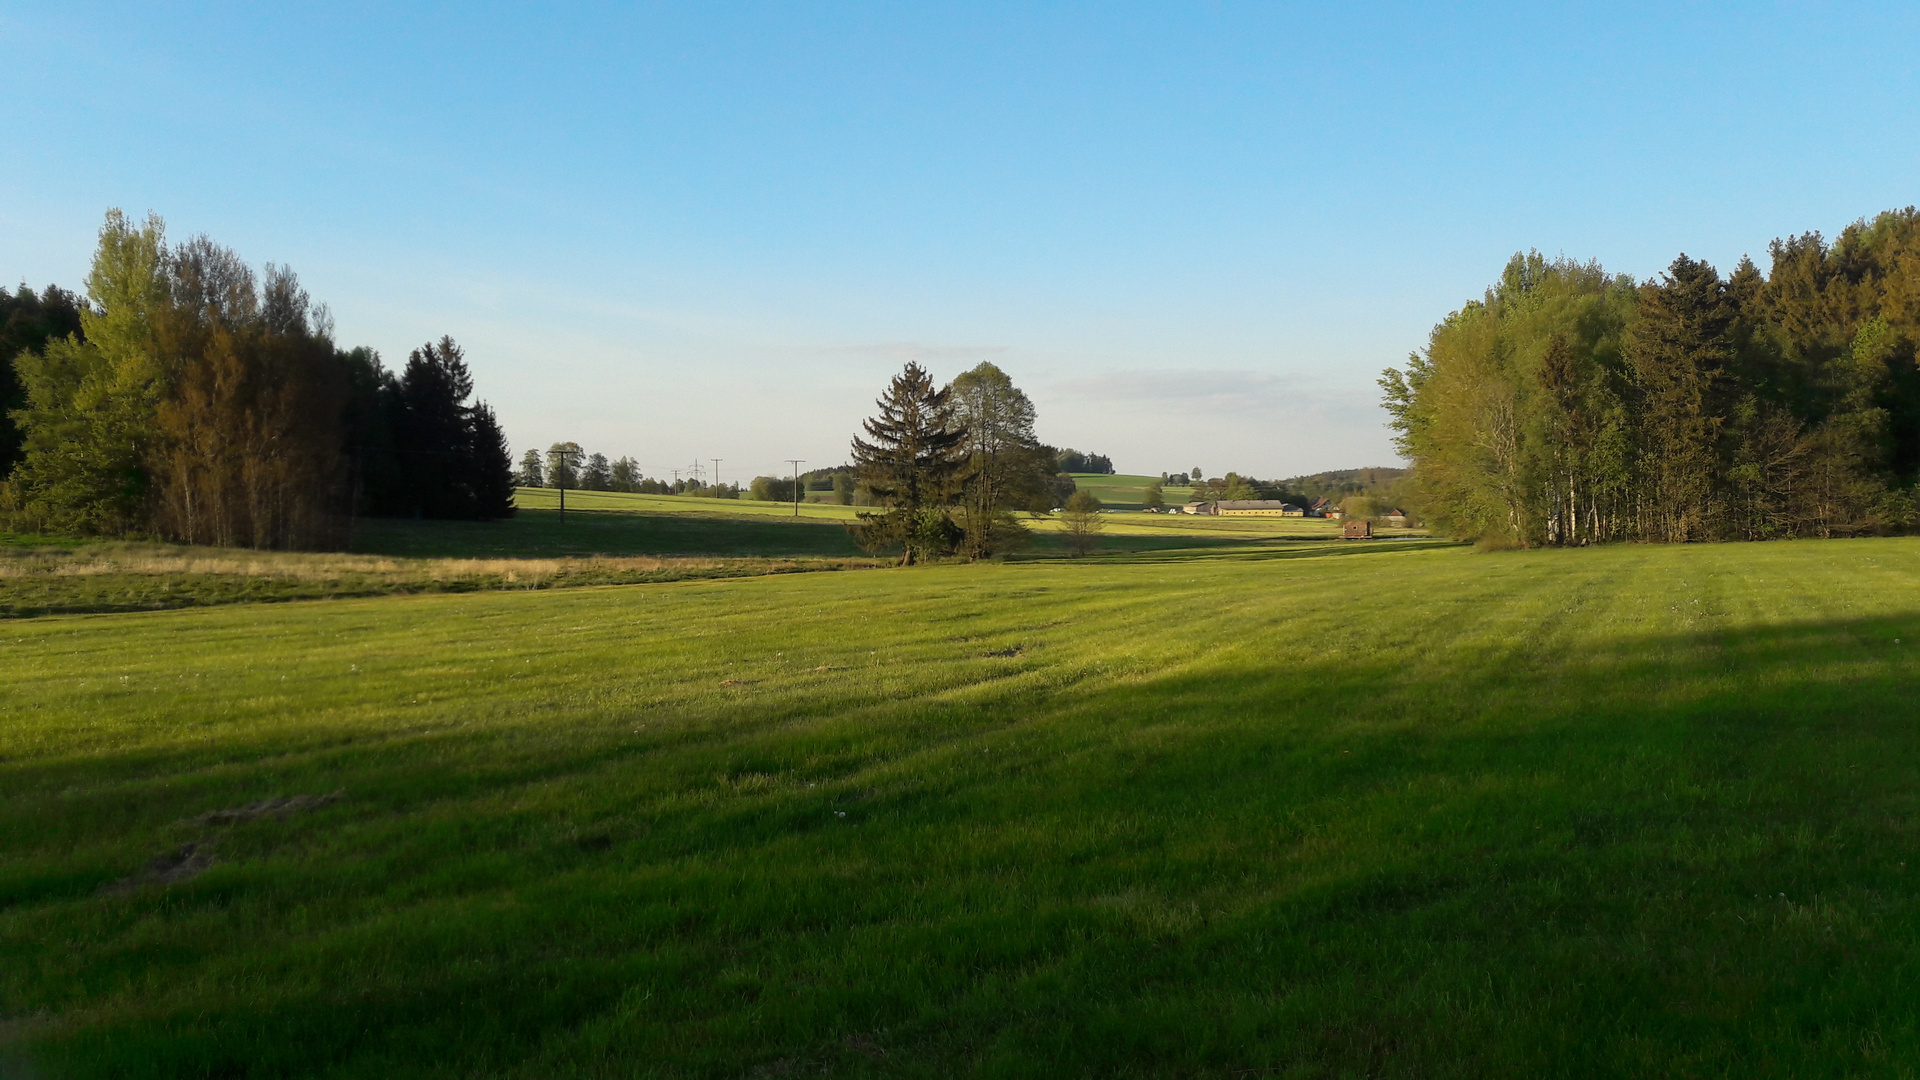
{"x": 190, "y": 860}
{"x": 291, "y": 804}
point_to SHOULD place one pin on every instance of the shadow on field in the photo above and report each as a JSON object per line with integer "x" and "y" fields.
{"x": 541, "y": 533}
{"x": 1428, "y": 854}
{"x": 1174, "y": 549}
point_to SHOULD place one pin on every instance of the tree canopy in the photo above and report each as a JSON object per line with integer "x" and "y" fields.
{"x": 191, "y": 398}
{"x": 1573, "y": 406}
{"x": 912, "y": 464}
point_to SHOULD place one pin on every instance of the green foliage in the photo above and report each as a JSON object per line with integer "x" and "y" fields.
{"x": 564, "y": 460}
{"x": 1569, "y": 406}
{"x": 90, "y": 403}
{"x": 773, "y": 489}
{"x": 28, "y": 321}
{"x": 1337, "y": 484}
{"x": 454, "y": 458}
{"x": 914, "y": 466}
{"x": 1006, "y": 465}
{"x": 1073, "y": 461}
{"x": 1153, "y": 498}
{"x": 204, "y": 404}
{"x": 596, "y": 474}
{"x": 533, "y": 470}
{"x": 1080, "y": 523}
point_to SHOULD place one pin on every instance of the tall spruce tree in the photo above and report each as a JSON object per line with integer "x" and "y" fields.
{"x": 597, "y": 475}
{"x": 1680, "y": 352}
{"x": 492, "y": 464}
{"x": 533, "y": 471}
{"x": 912, "y": 466}
{"x": 435, "y": 437}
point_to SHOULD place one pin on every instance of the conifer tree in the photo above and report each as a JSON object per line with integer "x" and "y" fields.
{"x": 1679, "y": 352}
{"x": 28, "y": 321}
{"x": 596, "y": 474}
{"x": 533, "y": 471}
{"x": 912, "y": 467}
{"x": 492, "y": 465}
{"x": 625, "y": 475}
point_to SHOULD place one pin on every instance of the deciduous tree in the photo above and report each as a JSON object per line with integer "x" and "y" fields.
{"x": 998, "y": 420}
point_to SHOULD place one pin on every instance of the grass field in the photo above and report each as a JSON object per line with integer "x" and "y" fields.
{"x": 614, "y": 523}
{"x": 1126, "y": 491}
{"x": 1266, "y": 809}
{"x": 606, "y": 539}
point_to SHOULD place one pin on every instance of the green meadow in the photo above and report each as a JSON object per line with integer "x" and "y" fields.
{"x": 1126, "y": 491}
{"x": 1260, "y": 807}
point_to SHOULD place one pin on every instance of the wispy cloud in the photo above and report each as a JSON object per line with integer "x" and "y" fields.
{"x": 1214, "y": 391}
{"x": 914, "y": 350}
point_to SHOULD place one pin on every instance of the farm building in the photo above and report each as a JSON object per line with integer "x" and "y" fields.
{"x": 1397, "y": 518}
{"x": 1356, "y": 530}
{"x": 1195, "y": 508}
{"x": 1257, "y": 508}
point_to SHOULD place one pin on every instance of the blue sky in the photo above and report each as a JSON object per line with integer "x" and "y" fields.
{"x": 1193, "y": 233}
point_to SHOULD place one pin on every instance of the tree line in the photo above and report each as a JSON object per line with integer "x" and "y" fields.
{"x": 1574, "y": 406}
{"x": 187, "y": 397}
{"x": 1073, "y": 461}
{"x": 949, "y": 466}
{"x": 565, "y": 464}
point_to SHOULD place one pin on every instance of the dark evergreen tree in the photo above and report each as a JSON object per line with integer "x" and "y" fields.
{"x": 912, "y": 467}
{"x": 597, "y": 475}
{"x": 625, "y": 475}
{"x": 27, "y": 322}
{"x": 492, "y": 463}
{"x": 1679, "y": 351}
{"x": 435, "y": 437}
{"x": 533, "y": 471}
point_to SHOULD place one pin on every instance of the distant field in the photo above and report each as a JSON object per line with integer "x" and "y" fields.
{"x": 615, "y": 524}
{"x": 1125, "y": 491}
{"x": 1255, "y": 809}
{"x": 606, "y": 539}
{"x": 612, "y": 523}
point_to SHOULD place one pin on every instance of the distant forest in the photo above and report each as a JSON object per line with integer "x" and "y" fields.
{"x": 1574, "y": 406}
{"x": 187, "y": 398}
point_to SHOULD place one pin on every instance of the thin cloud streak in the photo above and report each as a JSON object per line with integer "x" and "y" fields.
{"x": 914, "y": 350}
{"x": 1266, "y": 423}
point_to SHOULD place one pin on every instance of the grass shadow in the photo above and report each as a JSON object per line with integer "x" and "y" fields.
{"x": 1438, "y": 854}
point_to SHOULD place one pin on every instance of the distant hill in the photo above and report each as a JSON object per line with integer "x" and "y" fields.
{"x": 1340, "y": 483}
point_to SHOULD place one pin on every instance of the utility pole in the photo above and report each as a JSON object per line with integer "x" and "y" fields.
{"x": 560, "y": 479}
{"x": 796, "y": 462}
{"x": 716, "y": 472}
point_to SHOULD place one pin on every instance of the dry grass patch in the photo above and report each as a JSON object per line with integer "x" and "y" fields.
{"x": 133, "y": 576}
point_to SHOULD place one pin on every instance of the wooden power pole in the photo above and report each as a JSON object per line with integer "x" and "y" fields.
{"x": 796, "y": 463}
